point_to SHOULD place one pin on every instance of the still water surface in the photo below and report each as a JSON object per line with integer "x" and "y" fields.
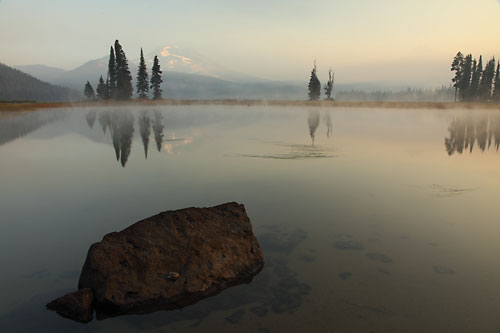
{"x": 369, "y": 219}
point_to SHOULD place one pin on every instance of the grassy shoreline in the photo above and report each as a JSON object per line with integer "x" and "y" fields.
{"x": 7, "y": 106}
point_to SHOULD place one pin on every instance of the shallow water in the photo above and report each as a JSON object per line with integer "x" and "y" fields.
{"x": 369, "y": 219}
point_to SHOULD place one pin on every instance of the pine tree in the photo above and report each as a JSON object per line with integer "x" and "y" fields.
{"x": 123, "y": 78}
{"x": 457, "y": 67}
{"x": 108, "y": 90}
{"x": 88, "y": 91}
{"x": 329, "y": 86}
{"x": 465, "y": 82}
{"x": 477, "y": 70}
{"x": 111, "y": 79}
{"x": 142, "y": 79}
{"x": 314, "y": 85}
{"x": 156, "y": 79}
{"x": 496, "y": 93}
{"x": 486, "y": 84}
{"x": 102, "y": 89}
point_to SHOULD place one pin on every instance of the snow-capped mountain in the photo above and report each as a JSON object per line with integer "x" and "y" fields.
{"x": 186, "y": 60}
{"x": 186, "y": 75}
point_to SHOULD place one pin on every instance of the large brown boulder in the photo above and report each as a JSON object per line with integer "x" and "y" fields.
{"x": 171, "y": 260}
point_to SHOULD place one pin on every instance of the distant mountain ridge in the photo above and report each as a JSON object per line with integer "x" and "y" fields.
{"x": 189, "y": 75}
{"x": 17, "y": 85}
{"x": 186, "y": 75}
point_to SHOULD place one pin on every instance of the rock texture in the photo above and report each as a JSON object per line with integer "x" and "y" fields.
{"x": 78, "y": 305}
{"x": 171, "y": 260}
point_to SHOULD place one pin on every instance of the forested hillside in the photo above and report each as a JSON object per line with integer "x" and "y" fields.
{"x": 16, "y": 85}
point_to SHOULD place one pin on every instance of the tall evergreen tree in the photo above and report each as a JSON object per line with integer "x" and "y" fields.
{"x": 457, "y": 67}
{"x": 111, "y": 79}
{"x": 465, "y": 82}
{"x": 314, "y": 85}
{"x": 329, "y": 86}
{"x": 477, "y": 71}
{"x": 102, "y": 89}
{"x": 123, "y": 78}
{"x": 108, "y": 91}
{"x": 486, "y": 84}
{"x": 88, "y": 91}
{"x": 142, "y": 79}
{"x": 156, "y": 79}
{"x": 496, "y": 93}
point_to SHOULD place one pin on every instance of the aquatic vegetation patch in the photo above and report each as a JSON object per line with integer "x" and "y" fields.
{"x": 445, "y": 191}
{"x": 259, "y": 311}
{"x": 287, "y": 151}
{"x": 383, "y": 271}
{"x": 345, "y": 275}
{"x": 443, "y": 270}
{"x": 280, "y": 240}
{"x": 307, "y": 257}
{"x": 379, "y": 257}
{"x": 348, "y": 244}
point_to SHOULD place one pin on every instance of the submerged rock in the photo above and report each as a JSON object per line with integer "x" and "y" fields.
{"x": 78, "y": 305}
{"x": 236, "y": 317}
{"x": 171, "y": 260}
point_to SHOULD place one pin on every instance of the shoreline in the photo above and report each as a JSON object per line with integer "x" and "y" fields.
{"x": 7, "y": 106}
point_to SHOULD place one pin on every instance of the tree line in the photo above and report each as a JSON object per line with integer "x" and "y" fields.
{"x": 441, "y": 94}
{"x": 472, "y": 82}
{"x": 314, "y": 86}
{"x": 118, "y": 84}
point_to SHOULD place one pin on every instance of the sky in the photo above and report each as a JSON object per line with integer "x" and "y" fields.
{"x": 363, "y": 40}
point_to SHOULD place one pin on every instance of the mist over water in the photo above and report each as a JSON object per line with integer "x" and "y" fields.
{"x": 367, "y": 218}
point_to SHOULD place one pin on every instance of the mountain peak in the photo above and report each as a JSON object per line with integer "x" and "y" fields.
{"x": 186, "y": 60}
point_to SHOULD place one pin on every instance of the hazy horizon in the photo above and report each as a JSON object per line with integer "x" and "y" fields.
{"x": 386, "y": 41}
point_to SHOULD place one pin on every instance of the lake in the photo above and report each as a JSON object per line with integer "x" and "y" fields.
{"x": 370, "y": 220}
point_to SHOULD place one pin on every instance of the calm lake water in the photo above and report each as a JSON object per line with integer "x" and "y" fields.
{"x": 370, "y": 220}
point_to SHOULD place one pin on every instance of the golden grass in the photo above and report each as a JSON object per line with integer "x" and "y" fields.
{"x": 326, "y": 104}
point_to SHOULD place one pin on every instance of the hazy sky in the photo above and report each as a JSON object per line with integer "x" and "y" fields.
{"x": 364, "y": 40}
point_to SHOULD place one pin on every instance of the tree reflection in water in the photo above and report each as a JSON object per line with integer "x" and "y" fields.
{"x": 121, "y": 127}
{"x": 90, "y": 117}
{"x": 122, "y": 132}
{"x": 465, "y": 131}
{"x": 105, "y": 120}
{"x": 313, "y": 121}
{"x": 158, "y": 129}
{"x": 145, "y": 130}
{"x": 328, "y": 121}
